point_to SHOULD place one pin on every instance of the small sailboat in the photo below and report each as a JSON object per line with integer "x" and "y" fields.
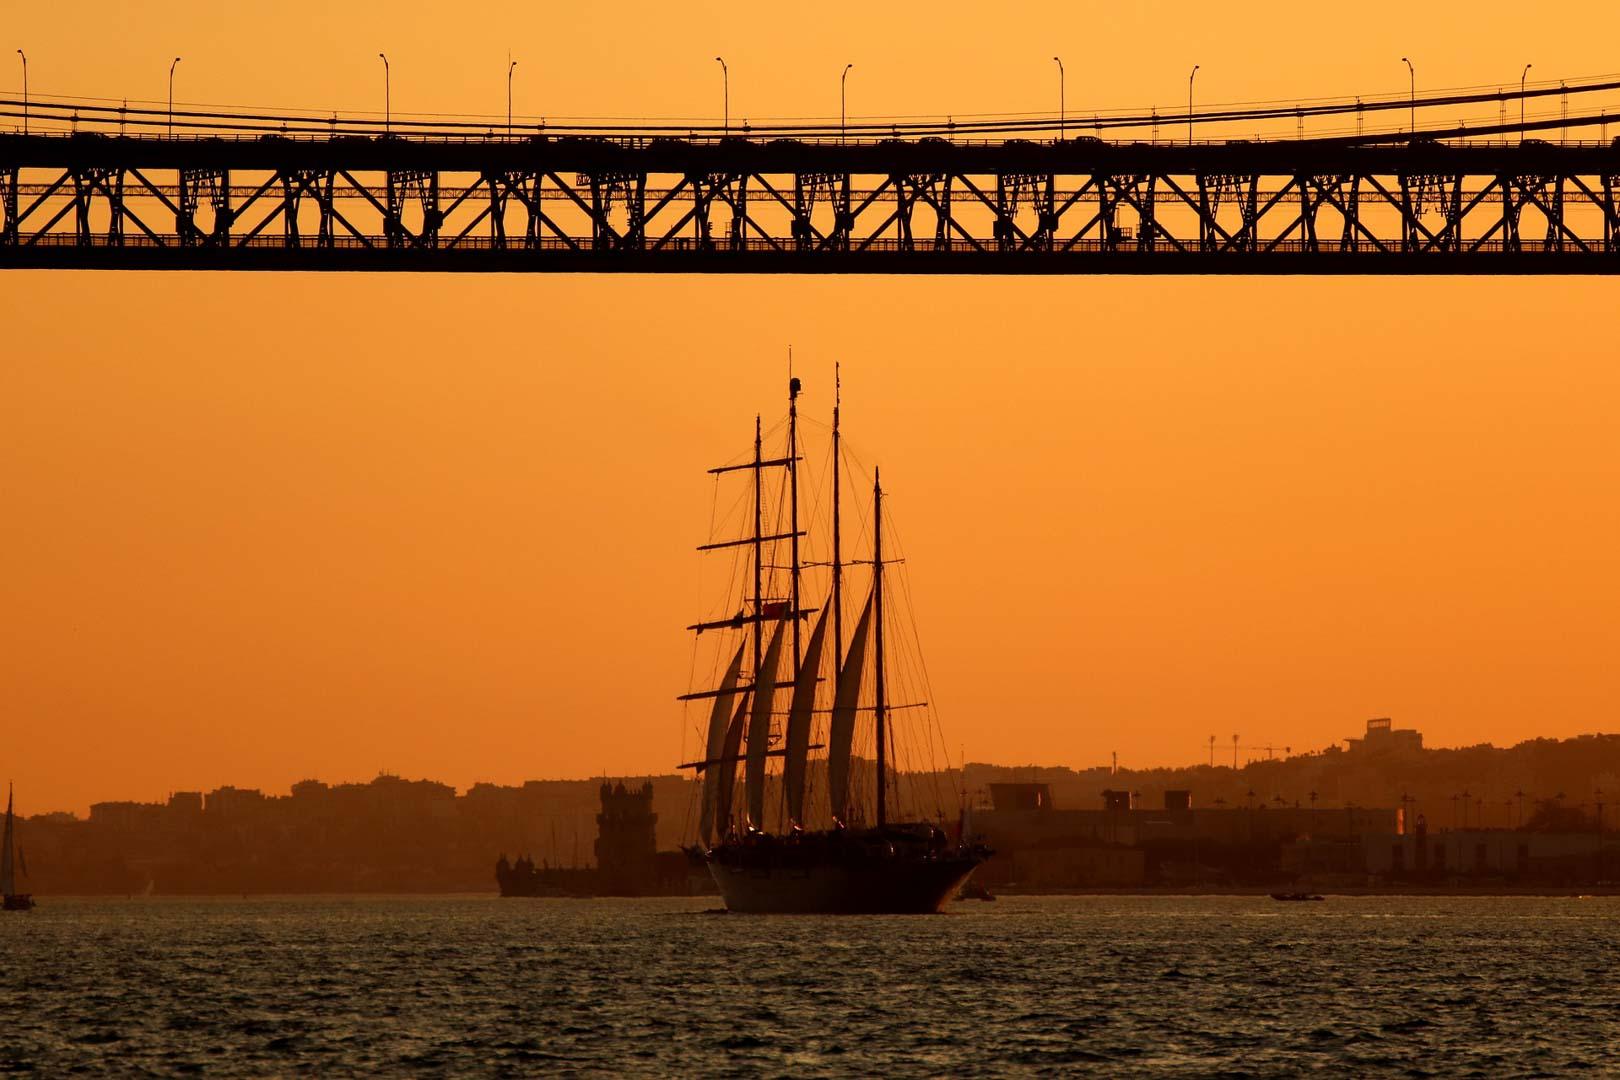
{"x": 10, "y": 898}
{"x": 854, "y": 847}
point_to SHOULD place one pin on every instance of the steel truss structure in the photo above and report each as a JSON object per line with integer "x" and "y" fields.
{"x": 577, "y": 204}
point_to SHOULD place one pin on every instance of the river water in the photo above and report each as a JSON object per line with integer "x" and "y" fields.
{"x": 1173, "y": 986}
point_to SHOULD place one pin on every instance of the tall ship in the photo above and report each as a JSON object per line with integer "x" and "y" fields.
{"x": 10, "y": 857}
{"x": 843, "y": 806}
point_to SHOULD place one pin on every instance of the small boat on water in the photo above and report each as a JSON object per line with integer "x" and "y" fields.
{"x": 1295, "y": 896}
{"x": 831, "y": 837}
{"x": 10, "y": 859}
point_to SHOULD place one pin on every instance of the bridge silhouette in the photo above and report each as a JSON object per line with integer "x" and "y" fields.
{"x": 240, "y": 191}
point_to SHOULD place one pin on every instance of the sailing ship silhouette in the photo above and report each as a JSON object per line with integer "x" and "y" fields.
{"x": 854, "y": 863}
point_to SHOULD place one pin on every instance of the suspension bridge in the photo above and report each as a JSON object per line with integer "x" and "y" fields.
{"x": 89, "y": 184}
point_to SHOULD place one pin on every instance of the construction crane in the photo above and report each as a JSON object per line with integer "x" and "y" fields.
{"x": 1268, "y": 750}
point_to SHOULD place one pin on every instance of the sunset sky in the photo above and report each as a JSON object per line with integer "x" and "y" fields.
{"x": 264, "y": 528}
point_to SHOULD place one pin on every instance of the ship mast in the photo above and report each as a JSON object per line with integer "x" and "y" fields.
{"x": 793, "y": 488}
{"x": 877, "y": 598}
{"x": 837, "y": 556}
{"x": 726, "y": 727}
{"x": 759, "y": 548}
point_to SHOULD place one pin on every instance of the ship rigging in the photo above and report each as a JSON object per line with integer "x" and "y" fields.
{"x": 826, "y": 855}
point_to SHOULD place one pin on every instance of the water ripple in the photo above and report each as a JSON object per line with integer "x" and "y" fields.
{"x": 1170, "y": 986}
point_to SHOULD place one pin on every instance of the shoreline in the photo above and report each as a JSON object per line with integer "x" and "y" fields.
{"x": 1255, "y": 892}
{"x": 1333, "y": 890}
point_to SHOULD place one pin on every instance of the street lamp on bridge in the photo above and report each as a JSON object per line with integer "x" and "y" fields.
{"x": 1062, "y": 97}
{"x": 1412, "y": 75}
{"x": 725, "y": 94}
{"x": 388, "y": 94}
{"x": 843, "y": 102}
{"x": 171, "y": 95}
{"x": 25, "y": 89}
{"x": 1190, "y": 76}
{"x": 1523, "y": 75}
{"x": 511, "y": 66}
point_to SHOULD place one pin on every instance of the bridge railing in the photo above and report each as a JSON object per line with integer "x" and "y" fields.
{"x": 582, "y": 248}
{"x": 533, "y": 136}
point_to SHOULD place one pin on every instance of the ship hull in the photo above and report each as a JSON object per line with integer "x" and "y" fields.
{"x": 834, "y": 875}
{"x": 920, "y": 889}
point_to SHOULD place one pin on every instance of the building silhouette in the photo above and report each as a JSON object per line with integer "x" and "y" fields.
{"x": 626, "y": 841}
{"x": 1383, "y": 737}
{"x": 1384, "y": 810}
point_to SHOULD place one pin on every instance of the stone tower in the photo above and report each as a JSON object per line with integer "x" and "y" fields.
{"x": 626, "y": 841}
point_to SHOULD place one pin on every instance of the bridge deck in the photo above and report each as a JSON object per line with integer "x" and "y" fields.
{"x": 575, "y": 204}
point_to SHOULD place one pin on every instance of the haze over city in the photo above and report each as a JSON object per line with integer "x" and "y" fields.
{"x": 266, "y": 528}
{"x": 452, "y": 622}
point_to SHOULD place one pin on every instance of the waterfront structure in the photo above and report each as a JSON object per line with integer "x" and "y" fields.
{"x": 628, "y": 862}
{"x": 1496, "y": 855}
{"x": 1120, "y": 843}
{"x": 626, "y": 841}
{"x": 1056, "y": 869}
{"x": 1009, "y": 826}
{"x": 1197, "y": 824}
{"x": 390, "y": 834}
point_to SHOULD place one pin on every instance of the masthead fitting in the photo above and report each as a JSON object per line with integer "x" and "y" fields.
{"x": 793, "y": 387}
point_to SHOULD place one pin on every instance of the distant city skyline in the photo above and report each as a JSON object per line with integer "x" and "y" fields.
{"x": 1381, "y": 747}
{"x": 1052, "y": 827}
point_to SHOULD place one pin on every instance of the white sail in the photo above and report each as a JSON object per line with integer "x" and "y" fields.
{"x": 841, "y": 733}
{"x": 716, "y": 742}
{"x": 798, "y": 729}
{"x": 759, "y": 728}
{"x": 727, "y": 787}
{"x": 8, "y": 887}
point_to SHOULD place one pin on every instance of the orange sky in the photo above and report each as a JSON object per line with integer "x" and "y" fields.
{"x": 259, "y": 528}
